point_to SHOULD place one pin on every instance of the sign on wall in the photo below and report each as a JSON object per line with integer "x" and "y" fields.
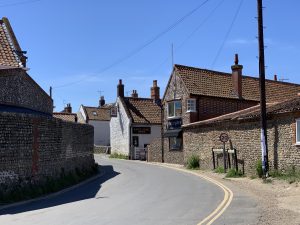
{"x": 141, "y": 130}
{"x": 174, "y": 124}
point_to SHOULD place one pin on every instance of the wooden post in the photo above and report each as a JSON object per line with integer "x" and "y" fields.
{"x": 213, "y": 156}
{"x": 236, "y": 161}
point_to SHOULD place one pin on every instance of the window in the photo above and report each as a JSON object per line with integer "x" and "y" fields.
{"x": 298, "y": 131}
{"x": 175, "y": 143}
{"x": 174, "y": 108}
{"x": 94, "y": 113}
{"x": 191, "y": 105}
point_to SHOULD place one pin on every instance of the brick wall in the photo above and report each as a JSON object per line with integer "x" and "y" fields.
{"x": 39, "y": 147}
{"x": 283, "y": 153}
{"x": 17, "y": 88}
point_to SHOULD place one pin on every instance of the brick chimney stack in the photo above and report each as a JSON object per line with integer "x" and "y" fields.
{"x": 275, "y": 77}
{"x": 101, "y": 101}
{"x": 237, "y": 77}
{"x": 134, "y": 94}
{"x": 155, "y": 91}
{"x": 120, "y": 89}
{"x": 68, "y": 108}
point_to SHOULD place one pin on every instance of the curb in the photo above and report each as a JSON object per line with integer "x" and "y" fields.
{"x": 53, "y": 194}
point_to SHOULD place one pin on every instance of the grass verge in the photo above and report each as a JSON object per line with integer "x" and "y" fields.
{"x": 290, "y": 175}
{"x": 116, "y": 155}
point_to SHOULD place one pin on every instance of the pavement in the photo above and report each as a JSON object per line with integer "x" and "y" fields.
{"x": 136, "y": 193}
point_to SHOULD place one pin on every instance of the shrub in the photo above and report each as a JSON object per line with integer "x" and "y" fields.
{"x": 259, "y": 170}
{"x": 193, "y": 162}
{"x": 234, "y": 173}
{"x": 116, "y": 155}
{"x": 291, "y": 175}
{"x": 219, "y": 169}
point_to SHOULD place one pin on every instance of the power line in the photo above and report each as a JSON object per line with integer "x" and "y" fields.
{"x": 227, "y": 34}
{"x": 140, "y": 48}
{"x": 191, "y": 34}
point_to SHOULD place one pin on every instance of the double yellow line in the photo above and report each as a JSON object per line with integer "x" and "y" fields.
{"x": 228, "y": 196}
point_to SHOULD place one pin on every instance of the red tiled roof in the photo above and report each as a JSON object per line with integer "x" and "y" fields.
{"x": 95, "y": 113}
{"x": 217, "y": 84}
{"x": 9, "y": 46}
{"x": 287, "y": 106}
{"x": 142, "y": 110}
{"x": 71, "y": 117}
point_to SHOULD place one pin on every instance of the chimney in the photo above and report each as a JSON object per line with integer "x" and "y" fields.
{"x": 134, "y": 94}
{"x": 237, "y": 77}
{"x": 120, "y": 89}
{"x": 155, "y": 91}
{"x": 68, "y": 108}
{"x": 101, "y": 101}
{"x": 275, "y": 77}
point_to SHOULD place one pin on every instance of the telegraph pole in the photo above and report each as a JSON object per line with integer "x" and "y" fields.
{"x": 264, "y": 142}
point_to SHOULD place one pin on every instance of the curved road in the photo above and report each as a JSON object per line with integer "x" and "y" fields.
{"x": 128, "y": 193}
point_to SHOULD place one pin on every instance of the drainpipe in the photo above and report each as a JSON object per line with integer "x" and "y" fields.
{"x": 130, "y": 137}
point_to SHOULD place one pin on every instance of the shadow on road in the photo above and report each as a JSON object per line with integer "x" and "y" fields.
{"x": 86, "y": 191}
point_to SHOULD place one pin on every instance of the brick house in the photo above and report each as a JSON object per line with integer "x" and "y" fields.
{"x": 195, "y": 94}
{"x": 136, "y": 122}
{"x": 99, "y": 118}
{"x": 243, "y": 128}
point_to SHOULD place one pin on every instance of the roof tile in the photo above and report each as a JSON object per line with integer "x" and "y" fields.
{"x": 143, "y": 110}
{"x": 217, "y": 84}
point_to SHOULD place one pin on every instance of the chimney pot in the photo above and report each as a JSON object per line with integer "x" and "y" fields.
{"x": 134, "y": 94}
{"x": 120, "y": 89}
{"x": 275, "y": 77}
{"x": 68, "y": 108}
{"x": 101, "y": 101}
{"x": 237, "y": 77}
{"x": 236, "y": 59}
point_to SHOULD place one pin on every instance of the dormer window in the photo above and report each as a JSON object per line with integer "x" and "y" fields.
{"x": 191, "y": 105}
{"x": 94, "y": 113}
{"x": 174, "y": 109}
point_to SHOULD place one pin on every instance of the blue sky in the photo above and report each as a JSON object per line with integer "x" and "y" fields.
{"x": 71, "y": 42}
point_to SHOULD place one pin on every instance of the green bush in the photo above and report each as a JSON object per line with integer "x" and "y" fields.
{"x": 116, "y": 155}
{"x": 219, "y": 169}
{"x": 290, "y": 175}
{"x": 193, "y": 162}
{"x": 259, "y": 170}
{"x": 234, "y": 173}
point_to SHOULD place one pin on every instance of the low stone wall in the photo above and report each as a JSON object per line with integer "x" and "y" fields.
{"x": 245, "y": 137}
{"x": 101, "y": 149}
{"x": 154, "y": 150}
{"x": 170, "y": 156}
{"x": 34, "y": 148}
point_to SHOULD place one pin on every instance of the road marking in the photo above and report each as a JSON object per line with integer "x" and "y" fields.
{"x": 228, "y": 196}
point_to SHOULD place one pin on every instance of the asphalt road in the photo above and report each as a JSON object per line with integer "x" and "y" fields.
{"x": 128, "y": 193}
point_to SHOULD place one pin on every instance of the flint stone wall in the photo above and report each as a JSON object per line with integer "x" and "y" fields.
{"x": 34, "y": 147}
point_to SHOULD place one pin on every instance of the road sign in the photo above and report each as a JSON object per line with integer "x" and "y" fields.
{"x": 224, "y": 137}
